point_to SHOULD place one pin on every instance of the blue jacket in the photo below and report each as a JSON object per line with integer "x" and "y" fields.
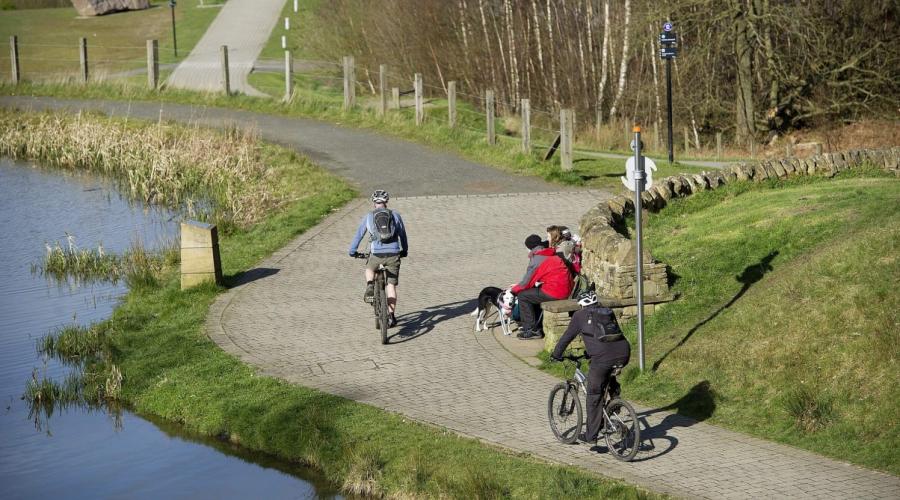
{"x": 398, "y": 245}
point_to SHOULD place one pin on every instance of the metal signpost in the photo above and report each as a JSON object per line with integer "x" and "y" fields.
{"x": 668, "y": 50}
{"x": 639, "y": 177}
{"x": 174, "y": 40}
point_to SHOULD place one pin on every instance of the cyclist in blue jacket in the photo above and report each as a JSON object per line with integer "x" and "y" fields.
{"x": 387, "y": 245}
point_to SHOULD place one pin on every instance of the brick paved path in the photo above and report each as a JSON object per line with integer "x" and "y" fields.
{"x": 438, "y": 370}
{"x": 435, "y": 369}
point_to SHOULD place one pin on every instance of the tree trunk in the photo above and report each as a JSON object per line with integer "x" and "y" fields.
{"x": 745, "y": 126}
{"x": 623, "y": 67}
{"x": 604, "y": 64}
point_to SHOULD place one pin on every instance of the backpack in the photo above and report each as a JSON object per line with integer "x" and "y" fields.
{"x": 382, "y": 226}
{"x": 604, "y": 323}
{"x": 581, "y": 284}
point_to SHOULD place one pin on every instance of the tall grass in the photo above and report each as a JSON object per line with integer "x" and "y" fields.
{"x": 222, "y": 177}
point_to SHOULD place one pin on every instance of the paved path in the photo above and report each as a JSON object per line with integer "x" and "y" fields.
{"x": 435, "y": 368}
{"x": 244, "y": 26}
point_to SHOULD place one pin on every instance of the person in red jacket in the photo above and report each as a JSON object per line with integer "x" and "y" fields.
{"x": 546, "y": 279}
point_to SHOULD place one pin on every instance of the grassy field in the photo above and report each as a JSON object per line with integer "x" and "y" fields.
{"x": 48, "y": 38}
{"x": 787, "y": 324}
{"x": 167, "y": 366}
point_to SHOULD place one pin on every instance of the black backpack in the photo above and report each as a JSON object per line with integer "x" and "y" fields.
{"x": 604, "y": 323}
{"x": 382, "y": 226}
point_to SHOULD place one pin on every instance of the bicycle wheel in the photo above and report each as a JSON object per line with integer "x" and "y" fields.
{"x": 381, "y": 309}
{"x": 564, "y": 412}
{"x": 624, "y": 436}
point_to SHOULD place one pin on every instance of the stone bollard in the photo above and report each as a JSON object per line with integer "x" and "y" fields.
{"x": 200, "y": 260}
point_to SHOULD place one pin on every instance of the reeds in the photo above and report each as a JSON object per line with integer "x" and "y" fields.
{"x": 211, "y": 175}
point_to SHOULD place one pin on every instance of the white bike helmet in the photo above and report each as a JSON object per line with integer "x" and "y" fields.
{"x": 380, "y": 196}
{"x": 587, "y": 298}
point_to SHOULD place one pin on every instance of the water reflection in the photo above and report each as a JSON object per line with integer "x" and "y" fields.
{"x": 79, "y": 449}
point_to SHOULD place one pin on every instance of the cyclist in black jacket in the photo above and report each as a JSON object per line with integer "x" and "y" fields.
{"x": 606, "y": 347}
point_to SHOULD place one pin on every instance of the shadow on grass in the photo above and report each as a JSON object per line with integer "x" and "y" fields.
{"x": 250, "y": 276}
{"x": 751, "y": 275}
{"x": 696, "y": 406}
{"x": 415, "y": 324}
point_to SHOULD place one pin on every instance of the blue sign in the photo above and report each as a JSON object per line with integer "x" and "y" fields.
{"x": 667, "y": 27}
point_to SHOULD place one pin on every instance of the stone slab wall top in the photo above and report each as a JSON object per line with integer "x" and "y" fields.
{"x": 89, "y": 8}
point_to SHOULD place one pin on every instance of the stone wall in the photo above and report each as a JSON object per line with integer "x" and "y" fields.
{"x": 609, "y": 257}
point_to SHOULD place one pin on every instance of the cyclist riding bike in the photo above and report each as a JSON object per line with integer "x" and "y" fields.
{"x": 387, "y": 245}
{"x": 606, "y": 347}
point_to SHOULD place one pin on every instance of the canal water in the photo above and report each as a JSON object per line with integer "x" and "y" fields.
{"x": 80, "y": 452}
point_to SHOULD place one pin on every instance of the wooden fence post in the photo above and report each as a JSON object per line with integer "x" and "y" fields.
{"x": 687, "y": 140}
{"x": 420, "y": 105}
{"x": 566, "y": 133}
{"x": 789, "y": 150}
{"x": 382, "y": 89}
{"x": 752, "y": 147}
{"x": 718, "y": 146}
{"x": 83, "y": 55}
{"x": 14, "y": 57}
{"x": 288, "y": 75}
{"x": 349, "y": 82}
{"x": 152, "y": 64}
{"x": 818, "y": 147}
{"x": 489, "y": 112}
{"x": 226, "y": 75}
{"x": 526, "y": 126}
{"x": 451, "y": 104}
{"x": 395, "y": 97}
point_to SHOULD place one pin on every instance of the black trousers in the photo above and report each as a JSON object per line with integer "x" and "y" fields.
{"x": 529, "y": 307}
{"x": 598, "y": 376}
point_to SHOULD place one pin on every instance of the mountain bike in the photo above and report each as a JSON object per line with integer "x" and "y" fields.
{"x": 379, "y": 300}
{"x": 621, "y": 428}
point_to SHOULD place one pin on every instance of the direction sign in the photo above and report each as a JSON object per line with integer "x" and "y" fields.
{"x": 668, "y": 37}
{"x": 649, "y": 167}
{"x": 668, "y": 52}
{"x": 667, "y": 27}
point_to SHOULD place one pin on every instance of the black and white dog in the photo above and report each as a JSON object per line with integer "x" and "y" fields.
{"x": 502, "y": 300}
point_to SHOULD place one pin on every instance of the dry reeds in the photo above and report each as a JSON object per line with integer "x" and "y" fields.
{"x": 210, "y": 175}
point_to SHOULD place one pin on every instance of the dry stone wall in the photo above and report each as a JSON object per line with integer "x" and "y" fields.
{"x": 609, "y": 256}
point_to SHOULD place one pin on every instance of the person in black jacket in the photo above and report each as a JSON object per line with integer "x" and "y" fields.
{"x": 606, "y": 347}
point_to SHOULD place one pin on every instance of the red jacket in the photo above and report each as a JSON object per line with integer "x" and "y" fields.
{"x": 553, "y": 275}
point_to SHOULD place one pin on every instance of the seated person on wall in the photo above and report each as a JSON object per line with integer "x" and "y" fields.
{"x": 561, "y": 239}
{"x": 547, "y": 278}
{"x": 606, "y": 347}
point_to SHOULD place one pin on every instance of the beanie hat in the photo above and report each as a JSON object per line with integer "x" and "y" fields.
{"x": 532, "y": 241}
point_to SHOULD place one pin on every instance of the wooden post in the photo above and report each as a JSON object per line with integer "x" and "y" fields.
{"x": 818, "y": 147}
{"x": 752, "y": 148}
{"x": 789, "y": 150}
{"x": 687, "y": 140}
{"x": 382, "y": 89}
{"x": 82, "y": 51}
{"x": 200, "y": 260}
{"x": 718, "y": 146}
{"x": 288, "y": 75}
{"x": 14, "y": 57}
{"x": 395, "y": 97}
{"x": 489, "y": 112}
{"x": 152, "y": 64}
{"x": 629, "y": 135}
{"x": 349, "y": 82}
{"x": 451, "y": 104}
{"x": 566, "y": 133}
{"x": 526, "y": 126}
{"x": 226, "y": 76}
{"x": 420, "y": 106}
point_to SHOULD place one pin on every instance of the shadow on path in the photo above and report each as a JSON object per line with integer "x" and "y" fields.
{"x": 751, "y": 275}
{"x": 415, "y": 324}
{"x": 250, "y": 276}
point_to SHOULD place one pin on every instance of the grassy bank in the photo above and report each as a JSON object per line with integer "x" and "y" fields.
{"x": 319, "y": 102}
{"x": 169, "y": 368}
{"x": 787, "y": 323}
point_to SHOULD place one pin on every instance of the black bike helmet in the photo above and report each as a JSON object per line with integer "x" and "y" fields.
{"x": 380, "y": 196}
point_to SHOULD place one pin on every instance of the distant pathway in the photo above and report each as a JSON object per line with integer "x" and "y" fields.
{"x": 304, "y": 320}
{"x": 244, "y": 26}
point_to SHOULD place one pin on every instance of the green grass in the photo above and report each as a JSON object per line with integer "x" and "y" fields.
{"x": 153, "y": 355}
{"x": 48, "y": 38}
{"x": 787, "y": 323}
